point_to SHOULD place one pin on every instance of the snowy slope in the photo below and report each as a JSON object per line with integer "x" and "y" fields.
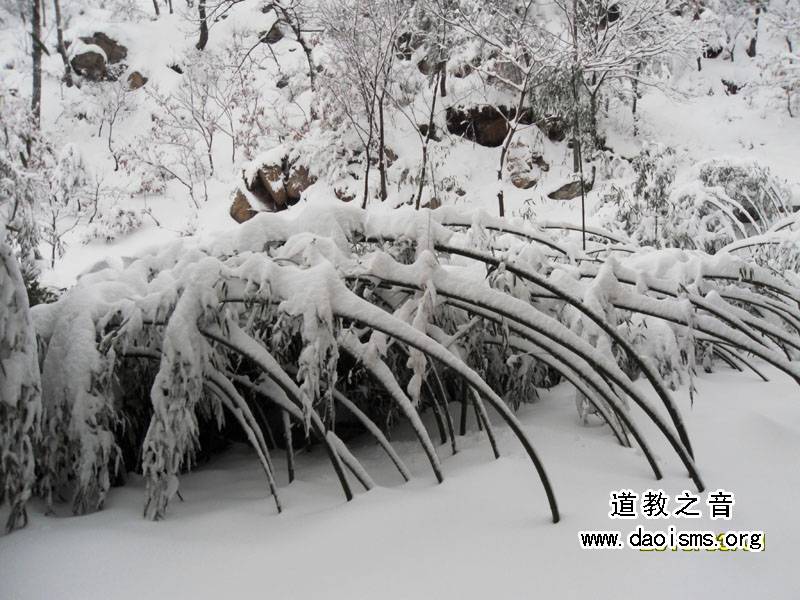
{"x": 485, "y": 532}
{"x": 696, "y": 117}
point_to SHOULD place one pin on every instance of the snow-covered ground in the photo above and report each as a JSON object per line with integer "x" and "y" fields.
{"x": 484, "y": 533}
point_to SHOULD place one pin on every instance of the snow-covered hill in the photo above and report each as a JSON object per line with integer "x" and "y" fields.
{"x": 138, "y": 208}
{"x": 213, "y": 364}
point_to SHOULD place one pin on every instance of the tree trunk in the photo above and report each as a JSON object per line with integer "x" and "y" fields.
{"x": 366, "y": 180}
{"x": 201, "y": 11}
{"x": 368, "y": 155}
{"x": 382, "y": 147}
{"x": 425, "y": 143}
{"x": 576, "y": 153}
{"x": 36, "y": 52}
{"x": 62, "y": 50}
{"x": 501, "y": 196}
{"x": 110, "y": 145}
{"x": 593, "y": 117}
{"x": 577, "y": 159}
{"x": 501, "y": 204}
{"x": 635, "y": 85}
{"x": 751, "y": 48}
{"x": 155, "y": 6}
{"x": 576, "y": 130}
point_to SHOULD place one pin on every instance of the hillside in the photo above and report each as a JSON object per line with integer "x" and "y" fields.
{"x": 284, "y": 277}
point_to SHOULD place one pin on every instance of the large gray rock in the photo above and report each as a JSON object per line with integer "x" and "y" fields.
{"x": 572, "y": 190}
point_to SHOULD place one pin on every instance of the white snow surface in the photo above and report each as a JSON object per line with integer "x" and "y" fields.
{"x": 484, "y": 533}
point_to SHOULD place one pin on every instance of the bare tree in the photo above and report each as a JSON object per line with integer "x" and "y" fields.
{"x": 62, "y": 49}
{"x": 36, "y": 52}
{"x": 113, "y": 100}
{"x": 181, "y": 142}
{"x": 295, "y": 15}
{"x": 203, "y": 17}
{"x": 784, "y": 15}
{"x": 363, "y": 37}
{"x": 519, "y": 54}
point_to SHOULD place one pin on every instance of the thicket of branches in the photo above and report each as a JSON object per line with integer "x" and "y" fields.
{"x": 286, "y": 329}
{"x": 285, "y": 325}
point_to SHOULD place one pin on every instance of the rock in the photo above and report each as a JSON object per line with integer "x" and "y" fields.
{"x": 423, "y": 129}
{"x": 485, "y": 125}
{"x": 732, "y": 88}
{"x": 177, "y": 68}
{"x": 269, "y": 173}
{"x": 344, "y": 194}
{"x": 462, "y": 70}
{"x": 299, "y": 181}
{"x": 241, "y": 210}
{"x": 92, "y": 55}
{"x": 524, "y": 181}
{"x": 572, "y": 189}
{"x": 115, "y": 52}
{"x": 555, "y": 128}
{"x": 407, "y": 42}
{"x": 271, "y": 177}
{"x": 505, "y": 70}
{"x": 390, "y": 155}
{"x": 524, "y": 165}
{"x": 90, "y": 62}
{"x": 540, "y": 162}
{"x": 136, "y": 80}
{"x": 257, "y": 189}
{"x": 610, "y": 15}
{"x": 275, "y": 182}
{"x": 273, "y": 36}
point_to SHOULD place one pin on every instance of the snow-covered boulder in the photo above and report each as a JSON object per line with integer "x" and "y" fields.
{"x": 525, "y": 165}
{"x": 298, "y": 181}
{"x": 271, "y": 177}
{"x": 485, "y": 125}
{"x": 274, "y": 35}
{"x": 88, "y": 61}
{"x": 136, "y": 80}
{"x": 114, "y": 51}
{"x": 90, "y": 56}
{"x": 572, "y": 190}
{"x": 241, "y": 209}
{"x": 275, "y": 180}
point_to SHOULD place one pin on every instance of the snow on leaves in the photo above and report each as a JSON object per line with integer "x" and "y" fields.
{"x": 268, "y": 320}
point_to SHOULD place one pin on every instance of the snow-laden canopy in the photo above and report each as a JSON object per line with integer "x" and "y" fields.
{"x": 297, "y": 318}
